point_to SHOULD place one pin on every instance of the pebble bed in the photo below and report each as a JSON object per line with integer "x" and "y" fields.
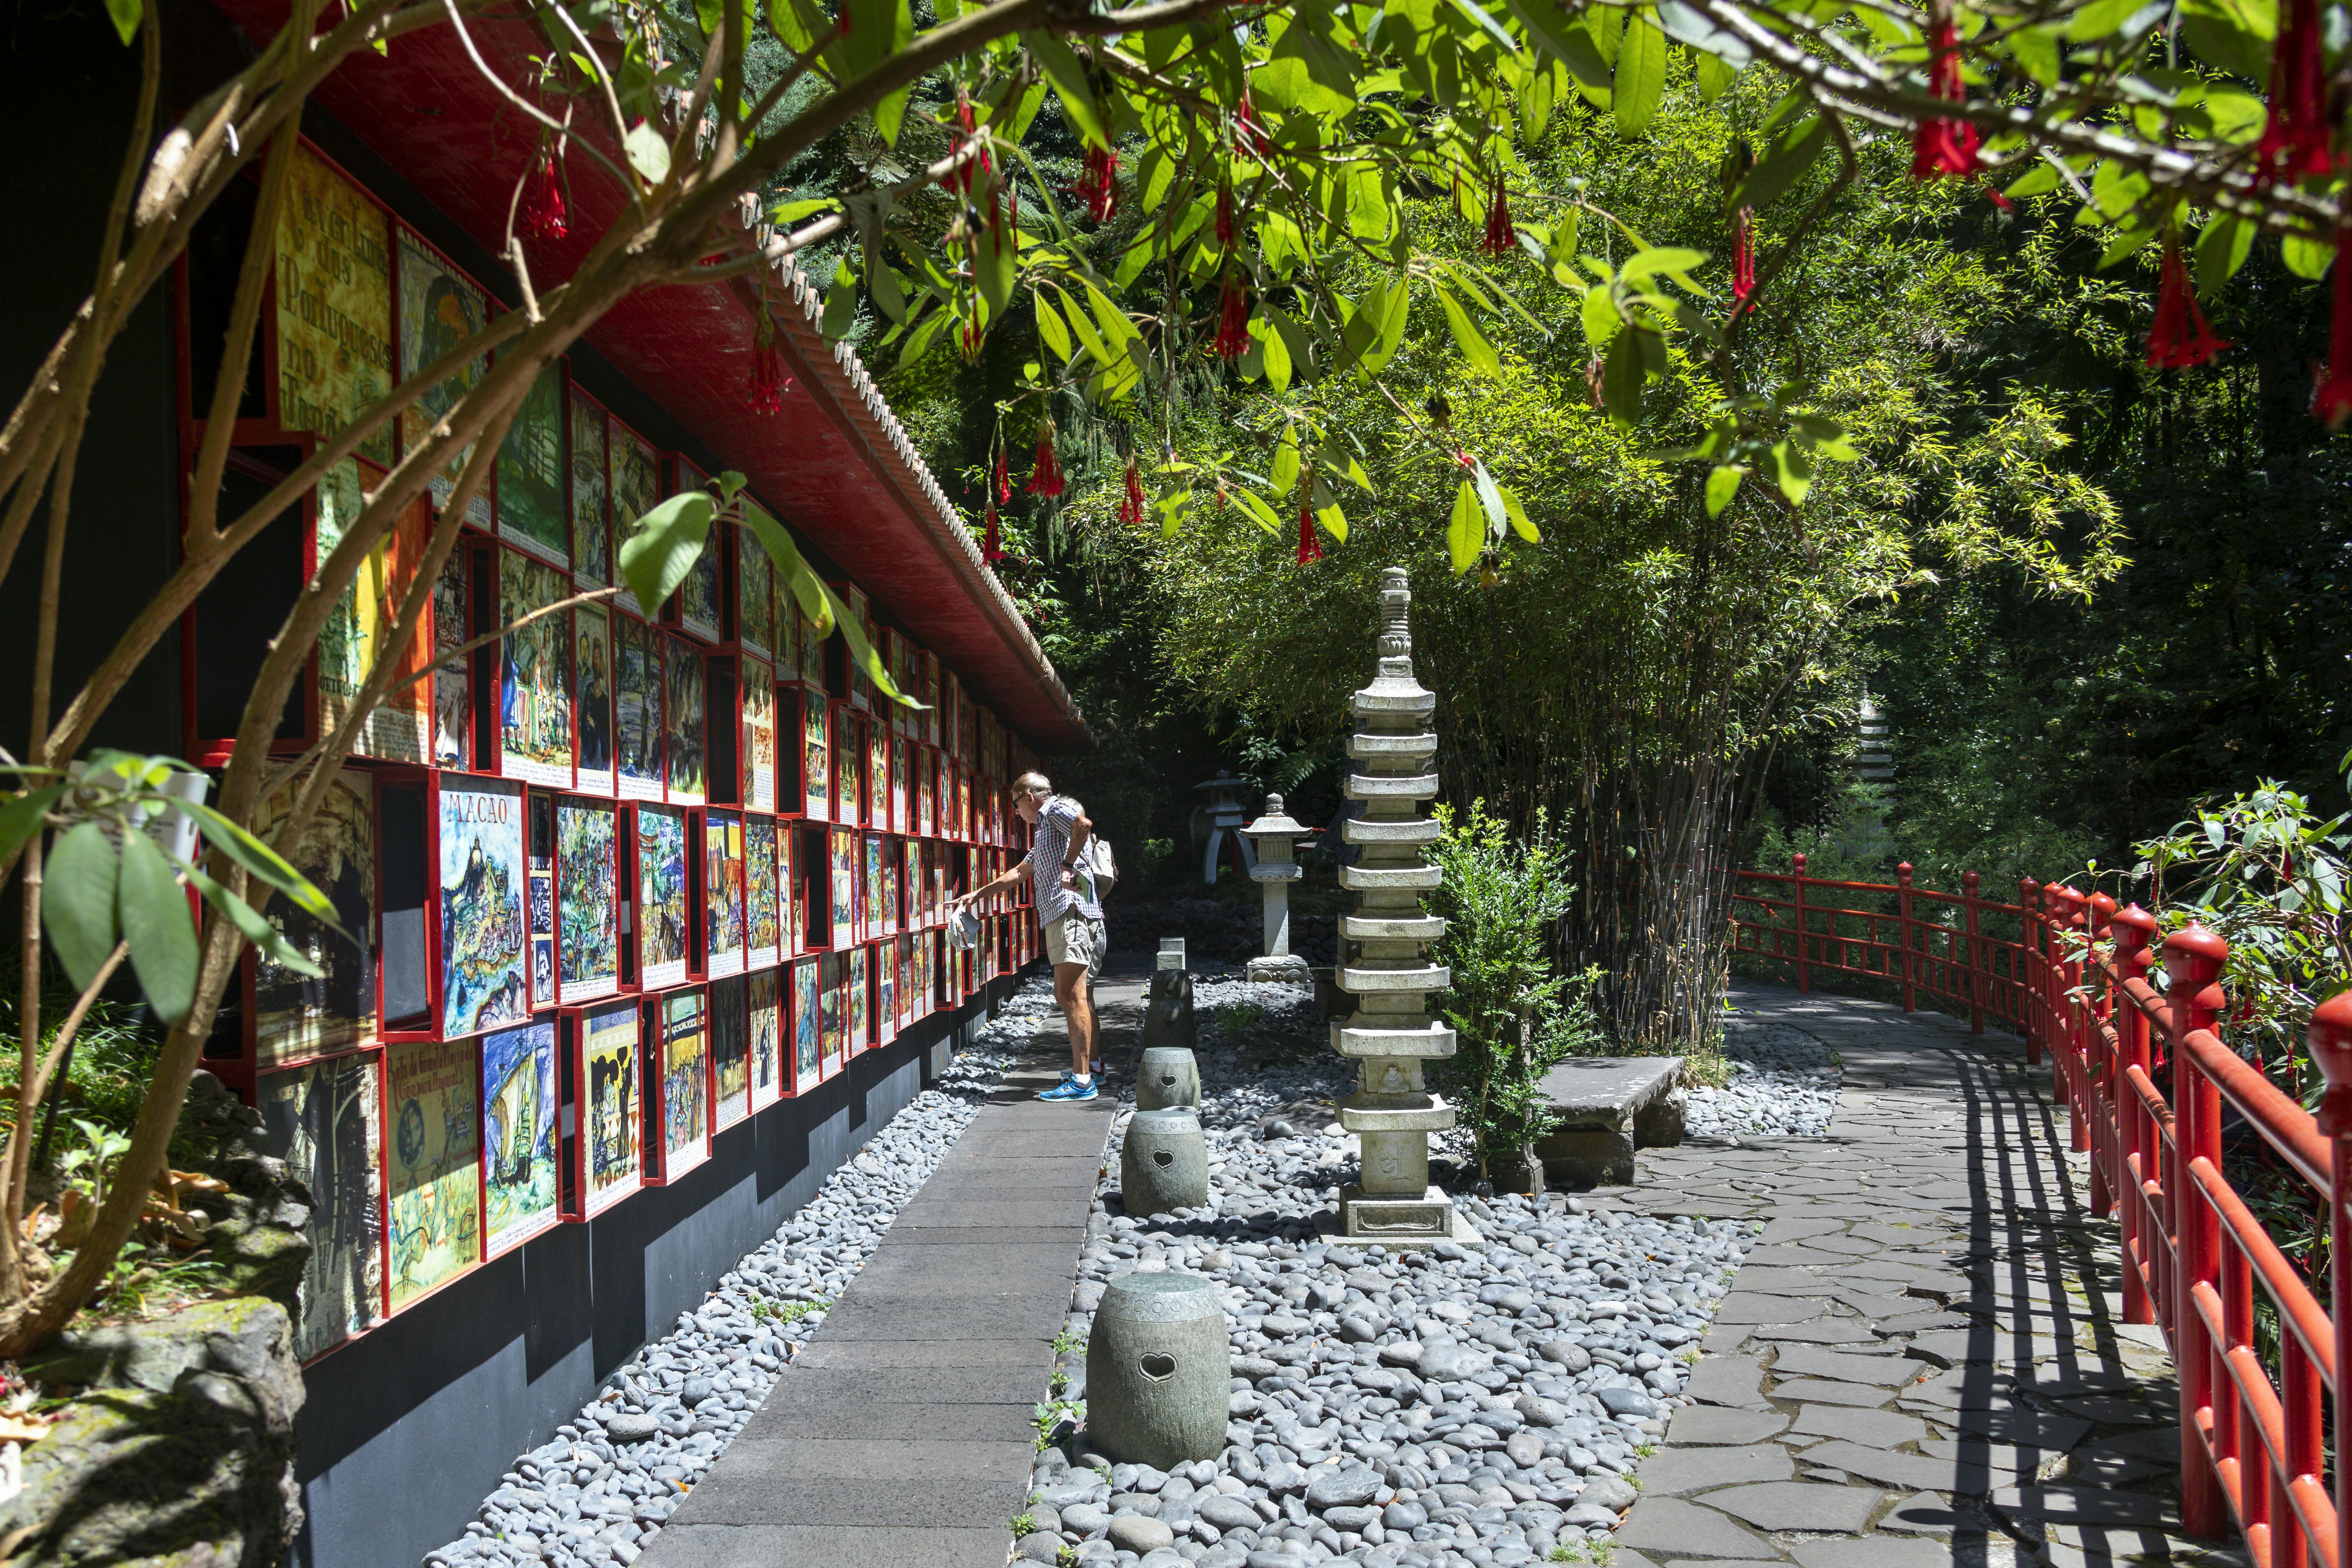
{"x": 1403, "y": 1408}
{"x": 1784, "y": 1084}
{"x": 610, "y": 1478}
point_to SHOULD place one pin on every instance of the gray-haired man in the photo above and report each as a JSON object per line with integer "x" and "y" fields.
{"x": 1067, "y": 909}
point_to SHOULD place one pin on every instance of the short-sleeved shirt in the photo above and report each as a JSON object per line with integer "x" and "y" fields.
{"x": 1049, "y": 846}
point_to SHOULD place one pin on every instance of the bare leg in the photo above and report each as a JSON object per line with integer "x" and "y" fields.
{"x": 1075, "y": 998}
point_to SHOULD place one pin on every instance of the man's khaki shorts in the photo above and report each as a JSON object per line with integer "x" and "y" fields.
{"x": 1073, "y": 939}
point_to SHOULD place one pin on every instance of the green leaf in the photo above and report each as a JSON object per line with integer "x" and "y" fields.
{"x": 1641, "y": 81}
{"x": 261, "y": 861}
{"x": 1465, "y": 534}
{"x": 1784, "y": 162}
{"x": 1686, "y": 24}
{"x": 2234, "y": 35}
{"x": 2221, "y": 249}
{"x": 153, "y": 910}
{"x": 1622, "y": 377}
{"x": 2306, "y": 256}
{"x": 658, "y": 556}
{"x": 1069, "y": 82}
{"x": 2040, "y": 178}
{"x": 840, "y": 301}
{"x": 1673, "y": 260}
{"x": 1277, "y": 352}
{"x": 126, "y": 16}
{"x": 1084, "y": 327}
{"x": 1602, "y": 321}
{"x": 1490, "y": 498}
{"x": 1519, "y": 523}
{"x": 21, "y": 818}
{"x": 1493, "y": 28}
{"x": 1563, "y": 39}
{"x": 1722, "y": 484}
{"x": 808, "y": 589}
{"x": 1715, "y": 78}
{"x": 1468, "y": 337}
{"x": 250, "y": 924}
{"x": 1283, "y": 476}
{"x": 1794, "y": 474}
{"x": 78, "y": 902}
{"x": 1051, "y": 327}
{"x": 648, "y": 153}
{"x": 1250, "y": 502}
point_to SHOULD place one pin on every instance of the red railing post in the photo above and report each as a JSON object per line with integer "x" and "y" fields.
{"x": 1980, "y": 982}
{"x": 2139, "y": 1149}
{"x": 2032, "y": 986}
{"x": 2331, "y": 1047}
{"x": 1804, "y": 982}
{"x": 2192, "y": 966}
{"x": 1903, "y": 925}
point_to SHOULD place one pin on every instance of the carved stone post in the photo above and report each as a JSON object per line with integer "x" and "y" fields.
{"x": 1384, "y": 963}
{"x": 1276, "y": 836}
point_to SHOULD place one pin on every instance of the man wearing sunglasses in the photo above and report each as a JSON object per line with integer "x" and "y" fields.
{"x": 1068, "y": 910}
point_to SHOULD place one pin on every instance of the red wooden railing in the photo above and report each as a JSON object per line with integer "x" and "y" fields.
{"x": 2145, "y": 1076}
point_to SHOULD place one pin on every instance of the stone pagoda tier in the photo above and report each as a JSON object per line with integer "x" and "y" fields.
{"x": 1384, "y": 957}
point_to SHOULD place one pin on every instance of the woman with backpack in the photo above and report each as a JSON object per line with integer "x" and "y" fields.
{"x": 1065, "y": 865}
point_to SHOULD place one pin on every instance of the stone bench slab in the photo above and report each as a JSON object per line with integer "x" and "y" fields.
{"x": 1608, "y": 1107}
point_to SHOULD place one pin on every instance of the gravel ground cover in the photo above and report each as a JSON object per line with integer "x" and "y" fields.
{"x": 610, "y": 1478}
{"x": 1409, "y": 1409}
{"x": 1784, "y": 1083}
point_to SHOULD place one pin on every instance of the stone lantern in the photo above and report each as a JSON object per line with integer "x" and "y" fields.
{"x": 1220, "y": 815}
{"x": 1384, "y": 962}
{"x": 1275, "y": 838}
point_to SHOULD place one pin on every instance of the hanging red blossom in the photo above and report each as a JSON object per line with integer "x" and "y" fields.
{"x": 1743, "y": 257}
{"x": 1309, "y": 547}
{"x": 1500, "y": 239}
{"x": 2179, "y": 337}
{"x": 1249, "y": 135}
{"x": 1097, "y": 186}
{"x": 1003, "y": 478}
{"x": 1594, "y": 372}
{"x": 1045, "y": 476}
{"x": 2333, "y": 400}
{"x": 542, "y": 203}
{"x": 767, "y": 396}
{"x": 1224, "y": 218}
{"x": 991, "y": 546}
{"x": 1130, "y": 506}
{"x": 2295, "y": 145}
{"x": 1944, "y": 146}
{"x": 1232, "y": 319}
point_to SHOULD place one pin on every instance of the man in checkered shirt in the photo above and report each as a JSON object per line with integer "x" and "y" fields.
{"x": 1069, "y": 910}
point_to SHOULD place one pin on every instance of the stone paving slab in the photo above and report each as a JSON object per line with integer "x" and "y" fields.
{"x": 1922, "y": 1362}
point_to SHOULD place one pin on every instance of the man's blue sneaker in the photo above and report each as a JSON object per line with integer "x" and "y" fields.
{"x": 1070, "y": 1088}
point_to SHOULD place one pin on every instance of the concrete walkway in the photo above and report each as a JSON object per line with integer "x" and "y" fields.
{"x": 902, "y": 1436}
{"x": 1924, "y": 1360}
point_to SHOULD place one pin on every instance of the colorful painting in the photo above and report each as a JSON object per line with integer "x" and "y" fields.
{"x": 832, "y": 978}
{"x": 532, "y": 470}
{"x": 637, "y": 708}
{"x": 438, "y": 312}
{"x": 811, "y": 652}
{"x": 682, "y": 733}
{"x": 893, "y": 905}
{"x": 297, "y": 1014}
{"x": 359, "y": 626}
{"x": 816, "y": 767}
{"x": 763, "y": 1010}
{"x": 731, "y": 1053}
{"x": 683, "y": 1047}
{"x": 324, "y": 1120}
{"x": 927, "y": 821}
{"x": 592, "y": 524}
{"x": 722, "y": 884}
{"x": 453, "y": 685}
{"x": 661, "y": 897}
{"x": 901, "y": 754}
{"x": 482, "y": 983}
{"x": 636, "y": 490}
{"x": 877, "y": 775}
{"x": 762, "y": 933}
{"x": 808, "y": 1041}
{"x": 886, "y": 992}
{"x": 860, "y": 1019}
{"x": 843, "y": 868}
{"x": 334, "y": 303}
{"x": 614, "y": 1133}
{"x": 759, "y": 748}
{"x": 848, "y": 746}
{"x": 592, "y": 697}
{"x": 432, "y": 1096}
{"x": 519, "y": 1095}
{"x": 755, "y": 603}
{"x": 698, "y": 596}
{"x": 873, "y": 884}
{"x": 787, "y": 890}
{"x": 911, "y": 874}
{"x": 535, "y": 681}
{"x": 587, "y": 906}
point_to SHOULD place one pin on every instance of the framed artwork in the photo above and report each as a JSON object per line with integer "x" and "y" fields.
{"x": 764, "y": 1022}
{"x": 532, "y": 472}
{"x": 334, "y": 303}
{"x": 763, "y": 916}
{"x": 535, "y": 680}
{"x": 518, "y": 1103}
{"x": 808, "y": 1048}
{"x": 730, "y": 1052}
{"x": 927, "y": 799}
{"x": 635, "y": 486}
{"x": 902, "y": 750}
{"x": 723, "y": 885}
{"x": 685, "y": 1082}
{"x": 539, "y": 847}
{"x": 637, "y": 709}
{"x": 755, "y": 598}
{"x": 483, "y": 984}
{"x": 295, "y": 1015}
{"x": 842, "y": 878}
{"x": 592, "y": 494}
{"x": 816, "y": 755}
{"x": 439, "y": 309}
{"x": 759, "y": 745}
{"x": 812, "y": 651}
{"x": 848, "y": 746}
{"x": 787, "y": 890}
{"x": 682, "y": 733}
{"x": 611, "y": 1133}
{"x": 861, "y": 1017}
{"x": 591, "y": 698}
{"x": 699, "y": 612}
{"x": 886, "y": 992}
{"x": 398, "y": 729}
{"x": 663, "y": 925}
{"x": 326, "y": 1121}
{"x": 873, "y": 884}
{"x": 432, "y": 1093}
{"x": 877, "y": 773}
{"x": 453, "y": 684}
{"x": 587, "y": 900}
{"x": 894, "y": 904}
{"x": 902, "y": 960}
{"x": 833, "y": 982}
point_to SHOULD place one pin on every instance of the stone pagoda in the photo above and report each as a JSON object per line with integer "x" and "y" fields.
{"x": 1384, "y": 959}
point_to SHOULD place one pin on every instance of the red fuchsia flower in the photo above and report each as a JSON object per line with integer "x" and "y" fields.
{"x": 1743, "y": 257}
{"x": 1130, "y": 505}
{"x": 1309, "y": 547}
{"x": 1500, "y": 239}
{"x": 2295, "y": 145}
{"x": 1944, "y": 146}
{"x": 1232, "y": 319}
{"x": 990, "y": 547}
{"x": 2333, "y": 401}
{"x": 542, "y": 203}
{"x": 767, "y": 396}
{"x": 2179, "y": 337}
{"x": 1224, "y": 218}
{"x": 1249, "y": 134}
{"x": 1097, "y": 186}
{"x": 1045, "y": 475}
{"x": 1595, "y": 375}
{"x": 1003, "y": 478}
{"x": 1464, "y": 460}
